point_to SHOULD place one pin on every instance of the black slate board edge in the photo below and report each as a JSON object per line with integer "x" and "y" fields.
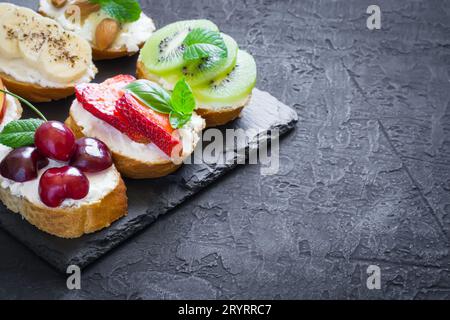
{"x": 144, "y": 220}
{"x": 264, "y": 114}
{"x": 116, "y": 240}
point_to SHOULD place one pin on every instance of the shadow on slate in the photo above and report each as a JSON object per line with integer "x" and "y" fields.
{"x": 148, "y": 199}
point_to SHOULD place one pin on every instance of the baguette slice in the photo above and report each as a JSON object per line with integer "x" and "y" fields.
{"x": 110, "y": 54}
{"x": 64, "y": 222}
{"x": 213, "y": 117}
{"x": 39, "y": 60}
{"x": 127, "y": 162}
{"x": 70, "y": 222}
{"x": 35, "y": 92}
{"x": 129, "y": 41}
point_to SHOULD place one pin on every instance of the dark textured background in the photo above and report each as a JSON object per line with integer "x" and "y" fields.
{"x": 365, "y": 177}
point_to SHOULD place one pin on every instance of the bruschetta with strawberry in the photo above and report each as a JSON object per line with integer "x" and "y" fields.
{"x": 149, "y": 130}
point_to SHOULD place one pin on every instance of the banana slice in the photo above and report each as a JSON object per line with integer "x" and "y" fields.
{"x": 10, "y": 21}
{"x": 55, "y": 57}
{"x": 66, "y": 57}
{"x": 6, "y": 8}
{"x": 34, "y": 36}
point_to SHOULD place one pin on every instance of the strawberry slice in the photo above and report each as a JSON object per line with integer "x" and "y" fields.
{"x": 100, "y": 100}
{"x": 153, "y": 125}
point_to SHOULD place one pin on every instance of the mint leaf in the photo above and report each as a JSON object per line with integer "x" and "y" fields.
{"x": 121, "y": 10}
{"x": 202, "y": 43}
{"x": 19, "y": 133}
{"x": 178, "y": 120}
{"x": 151, "y": 94}
{"x": 179, "y": 106}
{"x": 182, "y": 100}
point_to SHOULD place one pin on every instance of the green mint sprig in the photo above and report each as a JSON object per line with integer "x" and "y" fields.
{"x": 20, "y": 133}
{"x": 121, "y": 10}
{"x": 202, "y": 43}
{"x": 179, "y": 105}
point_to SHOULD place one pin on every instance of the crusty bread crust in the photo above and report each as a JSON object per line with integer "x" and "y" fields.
{"x": 216, "y": 118}
{"x": 34, "y": 92}
{"x": 71, "y": 222}
{"x": 130, "y": 167}
{"x": 213, "y": 117}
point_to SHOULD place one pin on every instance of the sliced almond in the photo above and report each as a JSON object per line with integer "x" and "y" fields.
{"x": 80, "y": 10}
{"x": 106, "y": 33}
{"x": 59, "y": 3}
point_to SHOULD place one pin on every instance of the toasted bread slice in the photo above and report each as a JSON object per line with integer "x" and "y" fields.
{"x": 110, "y": 54}
{"x": 34, "y": 92}
{"x": 127, "y": 41}
{"x": 39, "y": 60}
{"x": 132, "y": 159}
{"x": 70, "y": 222}
{"x": 97, "y": 211}
{"x": 213, "y": 117}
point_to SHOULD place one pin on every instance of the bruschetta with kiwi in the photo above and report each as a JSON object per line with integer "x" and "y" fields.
{"x": 61, "y": 185}
{"x": 113, "y": 28}
{"x": 39, "y": 60}
{"x": 221, "y": 75}
{"x": 149, "y": 130}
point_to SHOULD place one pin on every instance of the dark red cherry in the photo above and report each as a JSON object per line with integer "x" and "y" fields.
{"x": 22, "y": 164}
{"x": 54, "y": 140}
{"x": 59, "y": 184}
{"x": 91, "y": 155}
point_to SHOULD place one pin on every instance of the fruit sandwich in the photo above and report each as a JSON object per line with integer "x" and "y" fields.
{"x": 139, "y": 122}
{"x": 38, "y": 58}
{"x": 221, "y": 75}
{"x": 64, "y": 186}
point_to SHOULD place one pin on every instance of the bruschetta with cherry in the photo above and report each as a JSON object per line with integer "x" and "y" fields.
{"x": 62, "y": 185}
{"x": 39, "y": 60}
{"x": 149, "y": 130}
{"x": 221, "y": 75}
{"x": 113, "y": 28}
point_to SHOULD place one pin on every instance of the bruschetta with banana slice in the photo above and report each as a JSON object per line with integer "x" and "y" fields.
{"x": 149, "y": 130}
{"x": 39, "y": 60}
{"x": 61, "y": 185}
{"x": 113, "y": 28}
{"x": 221, "y": 75}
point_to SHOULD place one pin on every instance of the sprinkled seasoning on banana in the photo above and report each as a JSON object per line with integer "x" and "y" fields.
{"x": 35, "y": 50}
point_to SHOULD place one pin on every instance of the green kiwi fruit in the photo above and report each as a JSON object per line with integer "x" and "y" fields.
{"x": 230, "y": 88}
{"x": 202, "y": 71}
{"x": 163, "y": 51}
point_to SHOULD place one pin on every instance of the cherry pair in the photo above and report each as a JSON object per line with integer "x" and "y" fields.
{"x": 56, "y": 141}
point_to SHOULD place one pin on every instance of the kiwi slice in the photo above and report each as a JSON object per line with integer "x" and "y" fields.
{"x": 163, "y": 51}
{"x": 201, "y": 72}
{"x": 230, "y": 88}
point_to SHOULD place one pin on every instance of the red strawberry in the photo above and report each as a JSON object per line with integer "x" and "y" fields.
{"x": 153, "y": 125}
{"x": 100, "y": 100}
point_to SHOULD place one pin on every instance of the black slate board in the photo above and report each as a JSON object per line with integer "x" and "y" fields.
{"x": 148, "y": 199}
